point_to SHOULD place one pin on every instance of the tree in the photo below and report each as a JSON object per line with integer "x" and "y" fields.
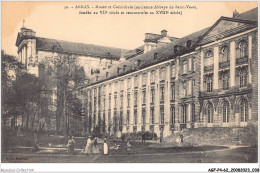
{"x": 69, "y": 76}
{"x": 20, "y": 92}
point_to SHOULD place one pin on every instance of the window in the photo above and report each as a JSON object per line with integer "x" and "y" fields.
{"x": 172, "y": 91}
{"x": 135, "y": 98}
{"x": 144, "y": 79}
{"x": 104, "y": 103}
{"x": 152, "y": 76}
{"x": 184, "y": 67}
{"x": 152, "y": 95}
{"x": 224, "y": 54}
{"x": 162, "y": 115}
{"x": 190, "y": 64}
{"x": 209, "y": 53}
{"x": 243, "y": 110}
{"x": 109, "y": 117}
{"x": 184, "y": 114}
{"x": 144, "y": 96}
{"x": 225, "y": 112}
{"x": 128, "y": 117}
{"x": 115, "y": 101}
{"x": 135, "y": 117}
{"x": 193, "y": 118}
{"x": 209, "y": 85}
{"x": 128, "y": 99}
{"x": 173, "y": 70}
{"x": 242, "y": 50}
{"x": 209, "y": 113}
{"x": 109, "y": 104}
{"x": 225, "y": 83}
{"x": 143, "y": 116}
{"x": 136, "y": 81}
{"x": 162, "y": 73}
{"x": 189, "y": 87}
{"x": 121, "y": 100}
{"x": 184, "y": 89}
{"x": 128, "y": 83}
{"x": 162, "y": 93}
{"x": 243, "y": 80}
{"x": 172, "y": 115}
{"x": 208, "y": 60}
{"x": 152, "y": 115}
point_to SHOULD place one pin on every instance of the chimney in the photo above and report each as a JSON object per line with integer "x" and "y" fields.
{"x": 164, "y": 33}
{"x": 235, "y": 14}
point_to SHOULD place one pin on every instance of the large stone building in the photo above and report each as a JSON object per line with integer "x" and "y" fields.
{"x": 35, "y": 54}
{"x": 206, "y": 79}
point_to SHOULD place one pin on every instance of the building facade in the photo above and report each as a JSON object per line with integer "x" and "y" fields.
{"x": 206, "y": 79}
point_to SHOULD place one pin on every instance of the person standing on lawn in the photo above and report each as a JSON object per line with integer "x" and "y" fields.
{"x": 71, "y": 145}
{"x": 128, "y": 147}
{"x": 88, "y": 146}
{"x": 105, "y": 148}
{"x": 95, "y": 147}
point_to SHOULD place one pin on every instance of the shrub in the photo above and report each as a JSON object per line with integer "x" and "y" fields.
{"x": 138, "y": 135}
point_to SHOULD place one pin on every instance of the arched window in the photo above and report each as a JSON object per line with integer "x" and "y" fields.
{"x": 242, "y": 51}
{"x": 209, "y": 53}
{"x": 225, "y": 112}
{"x": 243, "y": 110}
{"x": 209, "y": 113}
{"x": 224, "y": 55}
{"x": 208, "y": 60}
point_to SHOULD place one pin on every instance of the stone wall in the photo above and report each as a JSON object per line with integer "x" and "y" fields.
{"x": 217, "y": 136}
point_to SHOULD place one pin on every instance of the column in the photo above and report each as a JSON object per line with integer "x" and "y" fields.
{"x": 29, "y": 52}
{"x": 131, "y": 104}
{"x": 139, "y": 102}
{"x": 216, "y": 66}
{"x": 232, "y": 64}
{"x": 250, "y": 59}
{"x": 148, "y": 90}
{"x": 23, "y": 55}
{"x": 201, "y": 70}
{"x": 167, "y": 130}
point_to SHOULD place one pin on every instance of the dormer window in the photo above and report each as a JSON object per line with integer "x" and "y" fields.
{"x": 139, "y": 62}
{"x": 118, "y": 70}
{"x": 188, "y": 44}
{"x": 155, "y": 55}
{"x": 107, "y": 74}
{"x": 124, "y": 67}
{"x": 175, "y": 48}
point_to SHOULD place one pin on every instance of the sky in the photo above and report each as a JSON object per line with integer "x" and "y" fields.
{"x": 51, "y": 20}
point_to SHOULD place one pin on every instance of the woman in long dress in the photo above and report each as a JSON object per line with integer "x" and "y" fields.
{"x": 88, "y": 146}
{"x": 105, "y": 148}
{"x": 95, "y": 147}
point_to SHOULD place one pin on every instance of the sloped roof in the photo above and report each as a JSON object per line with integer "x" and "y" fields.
{"x": 150, "y": 37}
{"x": 134, "y": 52}
{"x": 249, "y": 15}
{"x": 163, "y": 53}
{"x": 47, "y": 44}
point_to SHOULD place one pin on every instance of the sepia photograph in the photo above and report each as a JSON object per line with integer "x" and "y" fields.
{"x": 129, "y": 82}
